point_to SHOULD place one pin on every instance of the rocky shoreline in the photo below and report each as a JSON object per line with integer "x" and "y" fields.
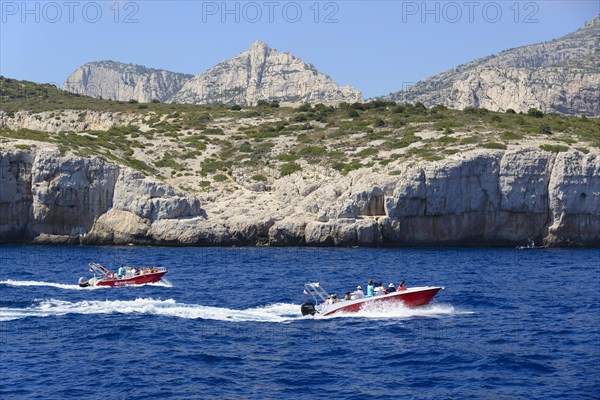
{"x": 481, "y": 198}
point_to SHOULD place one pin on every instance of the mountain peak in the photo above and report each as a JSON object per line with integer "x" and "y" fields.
{"x": 263, "y": 73}
{"x": 259, "y": 45}
{"x": 593, "y": 22}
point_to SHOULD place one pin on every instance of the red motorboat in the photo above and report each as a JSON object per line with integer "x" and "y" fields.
{"x": 410, "y": 297}
{"x": 124, "y": 277}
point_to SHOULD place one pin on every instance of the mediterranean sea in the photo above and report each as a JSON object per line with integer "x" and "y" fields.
{"x": 226, "y": 323}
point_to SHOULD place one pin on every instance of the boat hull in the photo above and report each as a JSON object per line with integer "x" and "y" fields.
{"x": 413, "y": 297}
{"x": 134, "y": 280}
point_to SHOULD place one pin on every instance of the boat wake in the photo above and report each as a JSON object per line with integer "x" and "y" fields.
{"x": 274, "y": 313}
{"x": 166, "y": 308}
{"x": 10, "y": 282}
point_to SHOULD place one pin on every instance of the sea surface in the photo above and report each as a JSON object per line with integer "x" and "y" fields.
{"x": 226, "y": 323}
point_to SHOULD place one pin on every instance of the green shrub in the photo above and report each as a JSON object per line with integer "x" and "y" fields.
{"x": 494, "y": 145}
{"x": 345, "y": 168}
{"x": 369, "y": 151}
{"x": 554, "y": 148}
{"x": 583, "y": 150}
{"x": 468, "y": 140}
{"x": 219, "y": 178}
{"x": 289, "y": 168}
{"x": 312, "y": 151}
{"x": 545, "y": 129}
{"x": 511, "y": 136}
{"x": 534, "y": 112}
{"x": 259, "y": 178}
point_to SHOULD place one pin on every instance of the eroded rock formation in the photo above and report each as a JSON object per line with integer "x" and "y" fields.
{"x": 482, "y": 197}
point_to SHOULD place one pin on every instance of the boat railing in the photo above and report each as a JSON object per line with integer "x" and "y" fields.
{"x": 316, "y": 291}
{"x": 102, "y": 272}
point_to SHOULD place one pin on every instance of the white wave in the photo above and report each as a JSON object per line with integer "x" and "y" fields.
{"x": 162, "y": 283}
{"x": 169, "y": 308}
{"x": 400, "y": 311}
{"x": 275, "y": 313}
{"x": 11, "y": 282}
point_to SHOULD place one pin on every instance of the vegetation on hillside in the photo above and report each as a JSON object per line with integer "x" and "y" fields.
{"x": 206, "y": 145}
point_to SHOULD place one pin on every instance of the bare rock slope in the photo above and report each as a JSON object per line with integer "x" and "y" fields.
{"x": 561, "y": 76}
{"x": 260, "y": 73}
{"x": 117, "y": 81}
{"x": 263, "y": 73}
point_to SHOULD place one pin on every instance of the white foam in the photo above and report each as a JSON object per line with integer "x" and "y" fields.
{"x": 275, "y": 313}
{"x": 168, "y": 308}
{"x": 11, "y": 282}
{"x": 399, "y": 311}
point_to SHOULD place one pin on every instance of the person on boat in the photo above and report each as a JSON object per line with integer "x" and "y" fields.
{"x": 347, "y": 296}
{"x": 401, "y": 286}
{"x": 328, "y": 300}
{"x": 379, "y": 290}
{"x": 121, "y": 271}
{"x": 334, "y": 298}
{"x": 391, "y": 288}
{"x": 358, "y": 293}
{"x": 370, "y": 288}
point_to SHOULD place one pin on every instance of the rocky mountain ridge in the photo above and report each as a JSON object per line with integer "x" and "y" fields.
{"x": 117, "y": 81}
{"x": 260, "y": 73}
{"x": 562, "y": 76}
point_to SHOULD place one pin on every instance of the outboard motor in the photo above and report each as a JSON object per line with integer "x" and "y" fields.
{"x": 83, "y": 282}
{"x": 308, "y": 308}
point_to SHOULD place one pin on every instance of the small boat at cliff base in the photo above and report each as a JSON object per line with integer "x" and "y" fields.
{"x": 126, "y": 276}
{"x": 408, "y": 297}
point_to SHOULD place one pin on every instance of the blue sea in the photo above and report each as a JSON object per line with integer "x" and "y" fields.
{"x": 226, "y": 323}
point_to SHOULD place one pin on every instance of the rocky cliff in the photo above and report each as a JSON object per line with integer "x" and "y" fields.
{"x": 260, "y": 73}
{"x": 118, "y": 81}
{"x": 479, "y": 197}
{"x": 561, "y": 76}
{"x": 263, "y": 73}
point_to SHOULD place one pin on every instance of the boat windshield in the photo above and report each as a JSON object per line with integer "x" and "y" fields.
{"x": 98, "y": 269}
{"x": 316, "y": 291}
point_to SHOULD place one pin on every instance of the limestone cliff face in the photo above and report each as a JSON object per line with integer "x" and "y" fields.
{"x": 118, "y": 81}
{"x": 476, "y": 198}
{"x": 49, "y": 198}
{"x": 64, "y": 120}
{"x": 263, "y": 73}
{"x": 561, "y": 76}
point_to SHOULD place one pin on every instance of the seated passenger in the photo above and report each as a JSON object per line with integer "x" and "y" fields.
{"x": 121, "y": 271}
{"x": 391, "y": 288}
{"x": 370, "y": 288}
{"x": 401, "y": 286}
{"x": 347, "y": 296}
{"x": 358, "y": 293}
{"x": 378, "y": 291}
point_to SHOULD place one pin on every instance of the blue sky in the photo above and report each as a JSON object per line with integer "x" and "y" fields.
{"x": 375, "y": 46}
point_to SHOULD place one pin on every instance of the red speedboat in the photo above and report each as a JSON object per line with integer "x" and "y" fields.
{"x": 127, "y": 276}
{"x": 410, "y": 297}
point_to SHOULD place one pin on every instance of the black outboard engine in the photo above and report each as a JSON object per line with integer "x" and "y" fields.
{"x": 83, "y": 282}
{"x": 308, "y": 308}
